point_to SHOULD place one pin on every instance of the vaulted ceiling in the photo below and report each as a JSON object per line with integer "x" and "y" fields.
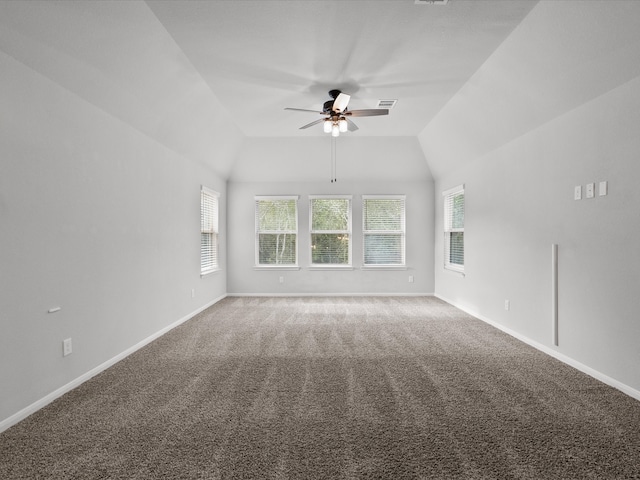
{"x": 209, "y": 78}
{"x": 261, "y": 56}
{"x": 180, "y": 71}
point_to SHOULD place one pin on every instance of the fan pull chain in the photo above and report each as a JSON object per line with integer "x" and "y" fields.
{"x": 333, "y": 160}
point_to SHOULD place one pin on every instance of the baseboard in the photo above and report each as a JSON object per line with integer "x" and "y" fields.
{"x": 34, "y": 407}
{"x": 360, "y": 294}
{"x": 612, "y": 382}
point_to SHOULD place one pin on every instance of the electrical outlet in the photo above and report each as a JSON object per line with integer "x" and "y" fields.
{"x": 410, "y": 278}
{"x": 507, "y": 304}
{"x": 281, "y": 279}
{"x": 193, "y": 293}
{"x": 66, "y": 347}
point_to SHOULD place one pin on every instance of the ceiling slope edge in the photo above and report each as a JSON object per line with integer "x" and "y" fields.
{"x": 562, "y": 56}
{"x": 96, "y": 52}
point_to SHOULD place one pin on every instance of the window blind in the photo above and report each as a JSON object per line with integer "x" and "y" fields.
{"x": 276, "y": 230}
{"x": 330, "y": 219}
{"x": 383, "y": 230}
{"x": 208, "y": 230}
{"x": 454, "y": 228}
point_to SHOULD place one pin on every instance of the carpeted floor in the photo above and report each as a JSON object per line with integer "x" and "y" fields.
{"x": 324, "y": 388}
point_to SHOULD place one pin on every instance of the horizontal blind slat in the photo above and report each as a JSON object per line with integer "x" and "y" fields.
{"x": 383, "y": 231}
{"x": 208, "y": 230}
{"x": 454, "y": 205}
{"x": 330, "y": 225}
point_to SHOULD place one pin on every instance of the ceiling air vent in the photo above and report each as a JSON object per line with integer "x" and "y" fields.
{"x": 386, "y": 104}
{"x": 431, "y": 2}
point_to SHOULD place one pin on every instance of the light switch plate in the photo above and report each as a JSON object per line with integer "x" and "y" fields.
{"x": 590, "y": 190}
{"x": 577, "y": 192}
{"x": 602, "y": 188}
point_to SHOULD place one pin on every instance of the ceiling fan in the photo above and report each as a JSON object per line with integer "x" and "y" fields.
{"x": 337, "y": 115}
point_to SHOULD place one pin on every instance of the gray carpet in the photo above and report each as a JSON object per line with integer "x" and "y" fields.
{"x": 323, "y": 388}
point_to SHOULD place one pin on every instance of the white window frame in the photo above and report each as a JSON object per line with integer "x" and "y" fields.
{"x": 209, "y": 226}
{"x": 348, "y": 232}
{"x": 401, "y": 232}
{"x": 448, "y": 228}
{"x": 268, "y": 266}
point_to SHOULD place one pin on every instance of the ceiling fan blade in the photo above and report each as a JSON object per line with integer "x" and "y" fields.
{"x": 369, "y": 112}
{"x": 341, "y": 102}
{"x": 312, "y": 123}
{"x": 352, "y": 127}
{"x": 304, "y": 110}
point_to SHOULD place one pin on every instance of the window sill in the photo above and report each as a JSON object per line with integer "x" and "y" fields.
{"x": 454, "y": 270}
{"x": 276, "y": 267}
{"x": 209, "y": 272}
{"x": 330, "y": 267}
{"x": 384, "y": 267}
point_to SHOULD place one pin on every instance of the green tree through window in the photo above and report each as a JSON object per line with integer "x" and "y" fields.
{"x": 330, "y": 231}
{"x": 276, "y": 231}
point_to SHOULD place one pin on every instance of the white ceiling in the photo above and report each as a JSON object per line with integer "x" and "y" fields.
{"x": 180, "y": 71}
{"x": 259, "y": 57}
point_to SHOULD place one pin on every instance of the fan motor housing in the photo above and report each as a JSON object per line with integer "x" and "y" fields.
{"x": 328, "y": 105}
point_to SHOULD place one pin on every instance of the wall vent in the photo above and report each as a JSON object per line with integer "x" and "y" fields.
{"x": 386, "y": 104}
{"x": 431, "y": 2}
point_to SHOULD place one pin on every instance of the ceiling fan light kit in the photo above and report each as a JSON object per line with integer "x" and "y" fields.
{"x": 335, "y": 127}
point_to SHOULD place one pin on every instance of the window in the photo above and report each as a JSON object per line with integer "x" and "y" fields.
{"x": 383, "y": 218}
{"x": 276, "y": 231}
{"x": 454, "y": 228}
{"x": 208, "y": 230}
{"x": 330, "y": 219}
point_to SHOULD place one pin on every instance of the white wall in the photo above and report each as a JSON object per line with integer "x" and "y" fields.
{"x": 302, "y": 166}
{"x": 308, "y": 159}
{"x": 244, "y": 279}
{"x": 97, "y": 218}
{"x": 519, "y": 193}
